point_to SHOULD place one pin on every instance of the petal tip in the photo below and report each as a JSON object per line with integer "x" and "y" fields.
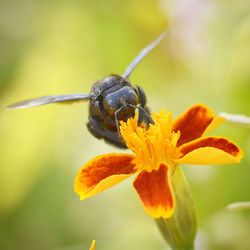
{"x": 240, "y": 155}
{"x": 155, "y": 192}
{"x": 103, "y": 172}
{"x": 210, "y": 150}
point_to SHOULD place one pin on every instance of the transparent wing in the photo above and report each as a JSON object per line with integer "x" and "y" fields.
{"x": 49, "y": 99}
{"x": 145, "y": 51}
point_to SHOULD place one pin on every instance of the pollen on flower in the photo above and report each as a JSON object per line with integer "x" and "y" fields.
{"x": 153, "y": 145}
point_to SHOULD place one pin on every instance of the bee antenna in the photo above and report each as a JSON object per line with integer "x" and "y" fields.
{"x": 144, "y": 111}
{"x": 117, "y": 121}
{"x": 145, "y": 51}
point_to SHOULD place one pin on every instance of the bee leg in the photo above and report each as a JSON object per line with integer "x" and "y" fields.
{"x": 144, "y": 118}
{"x": 111, "y": 137}
{"x": 114, "y": 139}
{"x": 92, "y": 126}
{"x": 141, "y": 95}
{"x": 143, "y": 114}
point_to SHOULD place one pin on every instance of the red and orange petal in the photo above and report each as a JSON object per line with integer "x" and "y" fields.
{"x": 156, "y": 192}
{"x": 210, "y": 150}
{"x": 193, "y": 123}
{"x": 103, "y": 172}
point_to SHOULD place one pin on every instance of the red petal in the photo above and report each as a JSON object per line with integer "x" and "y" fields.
{"x": 103, "y": 172}
{"x": 156, "y": 192}
{"x": 193, "y": 123}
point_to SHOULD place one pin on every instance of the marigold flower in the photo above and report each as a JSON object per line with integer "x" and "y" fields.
{"x": 157, "y": 151}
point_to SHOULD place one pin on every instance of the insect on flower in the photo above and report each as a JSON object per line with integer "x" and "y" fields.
{"x": 158, "y": 150}
{"x": 111, "y": 100}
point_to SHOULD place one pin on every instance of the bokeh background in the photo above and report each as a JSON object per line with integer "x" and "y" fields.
{"x": 56, "y": 47}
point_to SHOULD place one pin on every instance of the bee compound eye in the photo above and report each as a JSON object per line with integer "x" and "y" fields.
{"x": 111, "y": 103}
{"x": 117, "y": 99}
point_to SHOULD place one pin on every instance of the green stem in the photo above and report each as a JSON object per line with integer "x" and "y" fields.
{"x": 179, "y": 230}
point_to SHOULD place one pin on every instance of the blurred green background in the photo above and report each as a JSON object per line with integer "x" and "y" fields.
{"x": 55, "y": 47}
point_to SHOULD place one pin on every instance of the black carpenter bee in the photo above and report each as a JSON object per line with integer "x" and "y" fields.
{"x": 111, "y": 100}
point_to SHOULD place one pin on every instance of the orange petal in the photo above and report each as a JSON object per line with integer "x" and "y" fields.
{"x": 103, "y": 172}
{"x": 156, "y": 192}
{"x": 194, "y": 122}
{"x": 210, "y": 150}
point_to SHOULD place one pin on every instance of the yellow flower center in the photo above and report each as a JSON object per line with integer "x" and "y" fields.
{"x": 154, "y": 145}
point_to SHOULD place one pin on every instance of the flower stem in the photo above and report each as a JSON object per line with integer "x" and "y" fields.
{"x": 179, "y": 230}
